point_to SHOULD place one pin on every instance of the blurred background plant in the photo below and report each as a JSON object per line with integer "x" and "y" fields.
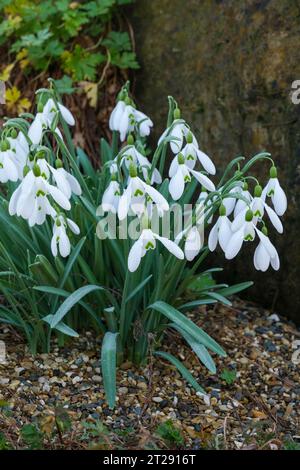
{"x": 87, "y": 47}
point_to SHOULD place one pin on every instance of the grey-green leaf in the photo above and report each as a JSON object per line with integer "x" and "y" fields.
{"x": 182, "y": 369}
{"x": 108, "y": 366}
{"x": 187, "y": 325}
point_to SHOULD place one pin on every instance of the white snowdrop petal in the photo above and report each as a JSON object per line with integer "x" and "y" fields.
{"x": 176, "y": 185}
{"x": 64, "y": 244}
{"x": 266, "y": 243}
{"x": 135, "y": 255}
{"x": 276, "y": 222}
{"x": 193, "y": 244}
{"x": 54, "y": 245}
{"x": 224, "y": 232}
{"x": 235, "y": 244}
{"x": 213, "y": 237}
{"x": 204, "y": 180}
{"x": 171, "y": 246}
{"x": 73, "y": 226}
{"x": 59, "y": 197}
{"x": 36, "y": 130}
{"x": 206, "y": 162}
{"x": 66, "y": 114}
{"x": 279, "y": 199}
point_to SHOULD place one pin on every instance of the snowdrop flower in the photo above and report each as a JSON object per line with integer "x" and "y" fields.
{"x": 275, "y": 192}
{"x": 221, "y": 231}
{"x": 30, "y": 199}
{"x": 135, "y": 195}
{"x": 259, "y": 206}
{"x": 178, "y": 130}
{"x": 192, "y": 151}
{"x": 240, "y": 203}
{"x": 8, "y": 169}
{"x": 230, "y": 202}
{"x": 19, "y": 151}
{"x": 111, "y": 196}
{"x": 180, "y": 173}
{"x": 124, "y": 117}
{"x": 60, "y": 238}
{"x": 193, "y": 243}
{"x": 146, "y": 242}
{"x": 247, "y": 232}
{"x": 132, "y": 155}
{"x": 264, "y": 255}
{"x": 44, "y": 119}
{"x": 66, "y": 182}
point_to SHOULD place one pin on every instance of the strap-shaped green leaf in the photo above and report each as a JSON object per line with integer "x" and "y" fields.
{"x": 71, "y": 301}
{"x": 199, "y": 349}
{"x": 187, "y": 325}
{"x": 109, "y": 366}
{"x": 182, "y": 369}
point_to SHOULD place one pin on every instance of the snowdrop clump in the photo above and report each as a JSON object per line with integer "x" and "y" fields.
{"x": 44, "y": 187}
{"x": 136, "y": 285}
{"x": 248, "y": 210}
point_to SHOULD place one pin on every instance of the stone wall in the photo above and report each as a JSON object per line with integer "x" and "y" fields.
{"x": 230, "y": 65}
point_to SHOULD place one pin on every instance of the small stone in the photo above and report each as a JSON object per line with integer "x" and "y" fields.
{"x": 270, "y": 347}
{"x": 123, "y": 390}
{"x": 97, "y": 378}
{"x": 76, "y": 379}
{"x": 142, "y": 385}
{"x": 157, "y": 399}
{"x": 4, "y": 381}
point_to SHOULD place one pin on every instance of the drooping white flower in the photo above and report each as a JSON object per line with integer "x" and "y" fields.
{"x": 43, "y": 120}
{"x": 180, "y": 174}
{"x": 247, "y": 232}
{"x": 193, "y": 243}
{"x": 276, "y": 193}
{"x": 125, "y": 117}
{"x": 264, "y": 256}
{"x": 60, "y": 238}
{"x": 135, "y": 196}
{"x": 30, "y": 199}
{"x": 242, "y": 204}
{"x": 66, "y": 182}
{"x": 178, "y": 130}
{"x": 259, "y": 206}
{"x": 19, "y": 152}
{"x": 221, "y": 231}
{"x": 111, "y": 197}
{"x": 147, "y": 242}
{"x": 192, "y": 151}
{"x": 8, "y": 168}
{"x": 132, "y": 155}
{"x": 230, "y": 202}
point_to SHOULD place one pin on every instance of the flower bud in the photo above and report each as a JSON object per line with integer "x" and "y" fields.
{"x": 265, "y": 230}
{"x": 58, "y": 163}
{"x": 132, "y": 170}
{"x": 180, "y": 159}
{"x": 245, "y": 186}
{"x": 13, "y": 133}
{"x": 36, "y": 170}
{"x": 130, "y": 139}
{"x": 40, "y": 107}
{"x": 257, "y": 190}
{"x": 222, "y": 210}
{"x": 176, "y": 113}
{"x": 26, "y": 170}
{"x": 273, "y": 172}
{"x": 249, "y": 215}
{"x": 127, "y": 100}
{"x": 189, "y": 138}
{"x": 40, "y": 154}
{"x": 4, "y": 145}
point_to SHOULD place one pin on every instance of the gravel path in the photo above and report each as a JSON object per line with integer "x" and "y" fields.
{"x": 253, "y": 399}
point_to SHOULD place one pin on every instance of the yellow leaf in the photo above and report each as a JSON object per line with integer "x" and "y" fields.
{"x": 11, "y": 96}
{"x": 91, "y": 90}
{"x": 47, "y": 424}
{"x": 5, "y": 74}
{"x": 23, "y": 105}
{"x": 22, "y": 57}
